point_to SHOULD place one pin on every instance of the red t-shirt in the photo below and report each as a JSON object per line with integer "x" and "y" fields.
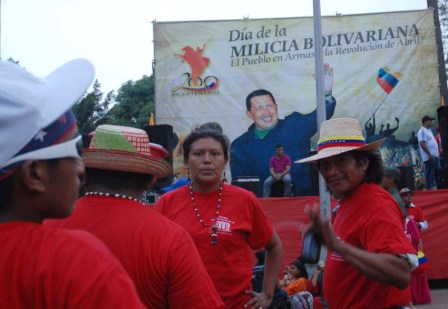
{"x": 242, "y": 226}
{"x": 372, "y": 220}
{"x": 416, "y": 212}
{"x": 42, "y": 267}
{"x": 158, "y": 254}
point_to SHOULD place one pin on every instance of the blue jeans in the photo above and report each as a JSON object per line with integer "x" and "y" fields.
{"x": 430, "y": 172}
{"x": 270, "y": 181}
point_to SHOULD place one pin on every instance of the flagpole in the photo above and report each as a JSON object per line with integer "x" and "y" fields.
{"x": 324, "y": 195}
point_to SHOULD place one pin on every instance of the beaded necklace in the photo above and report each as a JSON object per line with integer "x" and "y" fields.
{"x": 213, "y": 228}
{"x": 117, "y": 195}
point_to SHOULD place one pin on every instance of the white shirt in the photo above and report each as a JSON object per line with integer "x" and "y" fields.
{"x": 426, "y": 135}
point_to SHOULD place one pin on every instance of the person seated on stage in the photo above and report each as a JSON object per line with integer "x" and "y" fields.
{"x": 279, "y": 167}
{"x": 412, "y": 210}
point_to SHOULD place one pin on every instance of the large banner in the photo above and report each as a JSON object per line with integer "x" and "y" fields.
{"x": 380, "y": 69}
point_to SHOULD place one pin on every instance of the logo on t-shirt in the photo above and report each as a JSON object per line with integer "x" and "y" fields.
{"x": 224, "y": 225}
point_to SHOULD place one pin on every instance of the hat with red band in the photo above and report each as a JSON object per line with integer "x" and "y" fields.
{"x": 340, "y": 135}
{"x": 125, "y": 149}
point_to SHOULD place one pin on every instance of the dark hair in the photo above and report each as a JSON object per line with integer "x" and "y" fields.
{"x": 6, "y": 186}
{"x": 374, "y": 172}
{"x": 198, "y": 134}
{"x": 278, "y": 146}
{"x": 257, "y": 93}
{"x": 116, "y": 180}
{"x": 214, "y": 126}
{"x": 260, "y": 255}
{"x": 301, "y": 266}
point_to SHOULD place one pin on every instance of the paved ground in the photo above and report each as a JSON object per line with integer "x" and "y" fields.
{"x": 439, "y": 300}
{"x": 439, "y": 295}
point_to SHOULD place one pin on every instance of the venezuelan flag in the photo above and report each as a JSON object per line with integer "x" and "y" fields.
{"x": 388, "y": 80}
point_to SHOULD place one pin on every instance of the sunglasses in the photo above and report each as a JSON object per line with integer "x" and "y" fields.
{"x": 69, "y": 149}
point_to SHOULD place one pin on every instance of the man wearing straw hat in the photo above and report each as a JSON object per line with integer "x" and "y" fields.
{"x": 368, "y": 253}
{"x": 159, "y": 255}
{"x": 42, "y": 267}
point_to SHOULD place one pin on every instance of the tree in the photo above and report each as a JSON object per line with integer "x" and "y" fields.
{"x": 135, "y": 102}
{"x": 91, "y": 111}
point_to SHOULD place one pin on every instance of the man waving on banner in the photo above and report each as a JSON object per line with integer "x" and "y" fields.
{"x": 251, "y": 152}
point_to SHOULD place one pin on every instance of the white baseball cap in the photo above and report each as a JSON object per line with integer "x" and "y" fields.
{"x": 29, "y": 103}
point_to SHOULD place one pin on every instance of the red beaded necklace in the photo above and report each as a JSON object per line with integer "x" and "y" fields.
{"x": 213, "y": 228}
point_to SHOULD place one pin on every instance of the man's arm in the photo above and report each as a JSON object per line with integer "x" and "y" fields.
{"x": 274, "y": 252}
{"x": 384, "y": 267}
{"x": 425, "y": 149}
{"x": 286, "y": 171}
{"x": 273, "y": 173}
{"x": 330, "y": 101}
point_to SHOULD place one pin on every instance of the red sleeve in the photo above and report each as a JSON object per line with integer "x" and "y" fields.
{"x": 384, "y": 231}
{"x": 421, "y": 217}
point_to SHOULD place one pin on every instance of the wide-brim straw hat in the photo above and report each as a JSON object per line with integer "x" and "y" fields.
{"x": 339, "y": 135}
{"x": 125, "y": 149}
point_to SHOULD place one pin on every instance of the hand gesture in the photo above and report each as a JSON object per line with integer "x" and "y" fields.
{"x": 258, "y": 301}
{"x": 322, "y": 228}
{"x": 328, "y": 79}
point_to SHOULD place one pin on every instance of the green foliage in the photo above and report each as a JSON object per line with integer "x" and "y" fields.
{"x": 443, "y": 18}
{"x": 135, "y": 102}
{"x": 132, "y": 106}
{"x": 91, "y": 111}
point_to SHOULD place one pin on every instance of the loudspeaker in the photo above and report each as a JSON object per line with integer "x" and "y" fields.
{"x": 163, "y": 134}
{"x": 407, "y": 178}
{"x": 250, "y": 183}
{"x": 442, "y": 178}
{"x": 442, "y": 113}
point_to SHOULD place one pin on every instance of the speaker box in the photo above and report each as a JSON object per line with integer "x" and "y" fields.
{"x": 163, "y": 134}
{"x": 442, "y": 178}
{"x": 442, "y": 113}
{"x": 250, "y": 183}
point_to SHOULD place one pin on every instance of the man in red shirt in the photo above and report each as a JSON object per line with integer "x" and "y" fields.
{"x": 279, "y": 167}
{"x": 158, "y": 254}
{"x": 368, "y": 252}
{"x": 40, "y": 165}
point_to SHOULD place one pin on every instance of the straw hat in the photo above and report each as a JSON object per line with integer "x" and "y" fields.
{"x": 339, "y": 135}
{"x": 125, "y": 149}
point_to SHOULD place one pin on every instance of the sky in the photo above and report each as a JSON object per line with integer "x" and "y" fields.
{"x": 117, "y": 36}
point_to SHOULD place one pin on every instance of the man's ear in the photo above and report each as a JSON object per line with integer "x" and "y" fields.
{"x": 33, "y": 174}
{"x": 248, "y": 114}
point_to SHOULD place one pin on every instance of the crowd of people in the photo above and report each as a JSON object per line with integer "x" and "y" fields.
{"x": 194, "y": 249}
